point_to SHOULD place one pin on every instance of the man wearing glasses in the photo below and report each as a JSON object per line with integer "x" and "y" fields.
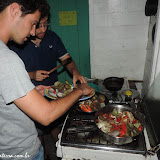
{"x": 40, "y": 54}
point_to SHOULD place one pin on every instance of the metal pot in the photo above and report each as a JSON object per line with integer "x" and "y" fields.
{"x": 113, "y": 83}
{"x": 120, "y": 108}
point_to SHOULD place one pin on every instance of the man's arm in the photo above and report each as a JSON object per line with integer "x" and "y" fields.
{"x": 72, "y": 68}
{"x": 45, "y": 112}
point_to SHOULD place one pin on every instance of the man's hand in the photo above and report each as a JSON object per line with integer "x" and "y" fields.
{"x": 79, "y": 77}
{"x": 72, "y": 68}
{"x": 86, "y": 89}
{"x": 40, "y": 75}
{"x": 41, "y": 88}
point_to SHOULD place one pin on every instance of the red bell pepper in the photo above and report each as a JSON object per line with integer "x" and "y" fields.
{"x": 123, "y": 130}
{"x": 124, "y": 127}
{"x": 85, "y": 108}
{"x": 125, "y": 117}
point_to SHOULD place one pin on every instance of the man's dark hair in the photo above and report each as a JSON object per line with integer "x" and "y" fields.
{"x": 27, "y": 6}
{"x": 45, "y": 11}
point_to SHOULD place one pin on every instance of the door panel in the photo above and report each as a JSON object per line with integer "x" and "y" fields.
{"x": 74, "y": 37}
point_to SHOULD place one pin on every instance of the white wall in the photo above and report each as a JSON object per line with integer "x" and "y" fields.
{"x": 148, "y": 71}
{"x": 152, "y": 65}
{"x": 118, "y": 38}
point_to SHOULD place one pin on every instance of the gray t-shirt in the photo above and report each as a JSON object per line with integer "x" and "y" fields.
{"x": 18, "y": 135}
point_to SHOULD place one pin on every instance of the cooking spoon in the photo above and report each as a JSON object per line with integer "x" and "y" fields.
{"x": 64, "y": 63}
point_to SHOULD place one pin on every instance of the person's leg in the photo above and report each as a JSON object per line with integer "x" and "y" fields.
{"x": 55, "y": 133}
{"x": 40, "y": 130}
{"x": 40, "y": 155}
{"x": 55, "y": 127}
{"x": 43, "y": 144}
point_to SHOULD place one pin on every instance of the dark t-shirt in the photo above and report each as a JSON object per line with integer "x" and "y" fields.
{"x": 43, "y": 57}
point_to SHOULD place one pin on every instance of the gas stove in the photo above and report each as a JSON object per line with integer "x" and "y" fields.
{"x": 91, "y": 139}
{"x": 88, "y": 145}
{"x": 78, "y": 142}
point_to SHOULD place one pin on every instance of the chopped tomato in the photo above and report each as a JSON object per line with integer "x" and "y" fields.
{"x": 125, "y": 117}
{"x": 124, "y": 127}
{"x": 111, "y": 117}
{"x": 128, "y": 120}
{"x": 123, "y": 130}
{"x": 118, "y": 119}
{"x": 140, "y": 128}
{"x": 105, "y": 115}
{"x": 119, "y": 126}
{"x": 122, "y": 133}
{"x": 113, "y": 125}
{"x": 134, "y": 121}
{"x": 112, "y": 129}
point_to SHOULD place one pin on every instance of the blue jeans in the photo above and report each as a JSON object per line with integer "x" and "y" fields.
{"x": 39, "y": 155}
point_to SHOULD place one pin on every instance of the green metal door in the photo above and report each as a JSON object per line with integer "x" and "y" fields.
{"x": 75, "y": 37}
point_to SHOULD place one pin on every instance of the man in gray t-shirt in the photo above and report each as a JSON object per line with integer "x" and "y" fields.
{"x": 15, "y": 125}
{"x": 20, "y": 102}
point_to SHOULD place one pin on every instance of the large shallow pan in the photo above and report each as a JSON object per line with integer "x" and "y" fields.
{"x": 120, "y": 108}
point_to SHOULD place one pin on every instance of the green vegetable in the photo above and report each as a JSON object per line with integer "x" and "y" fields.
{"x": 137, "y": 124}
{"x": 132, "y": 134}
{"x": 130, "y": 125}
{"x": 127, "y": 134}
{"x": 67, "y": 82}
{"x": 115, "y": 112}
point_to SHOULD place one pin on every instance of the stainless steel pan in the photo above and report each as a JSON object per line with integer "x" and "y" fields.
{"x": 120, "y": 108}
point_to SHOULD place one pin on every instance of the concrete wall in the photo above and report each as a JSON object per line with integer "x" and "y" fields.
{"x": 118, "y": 38}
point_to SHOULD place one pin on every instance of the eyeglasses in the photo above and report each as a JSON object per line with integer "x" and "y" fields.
{"x": 40, "y": 25}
